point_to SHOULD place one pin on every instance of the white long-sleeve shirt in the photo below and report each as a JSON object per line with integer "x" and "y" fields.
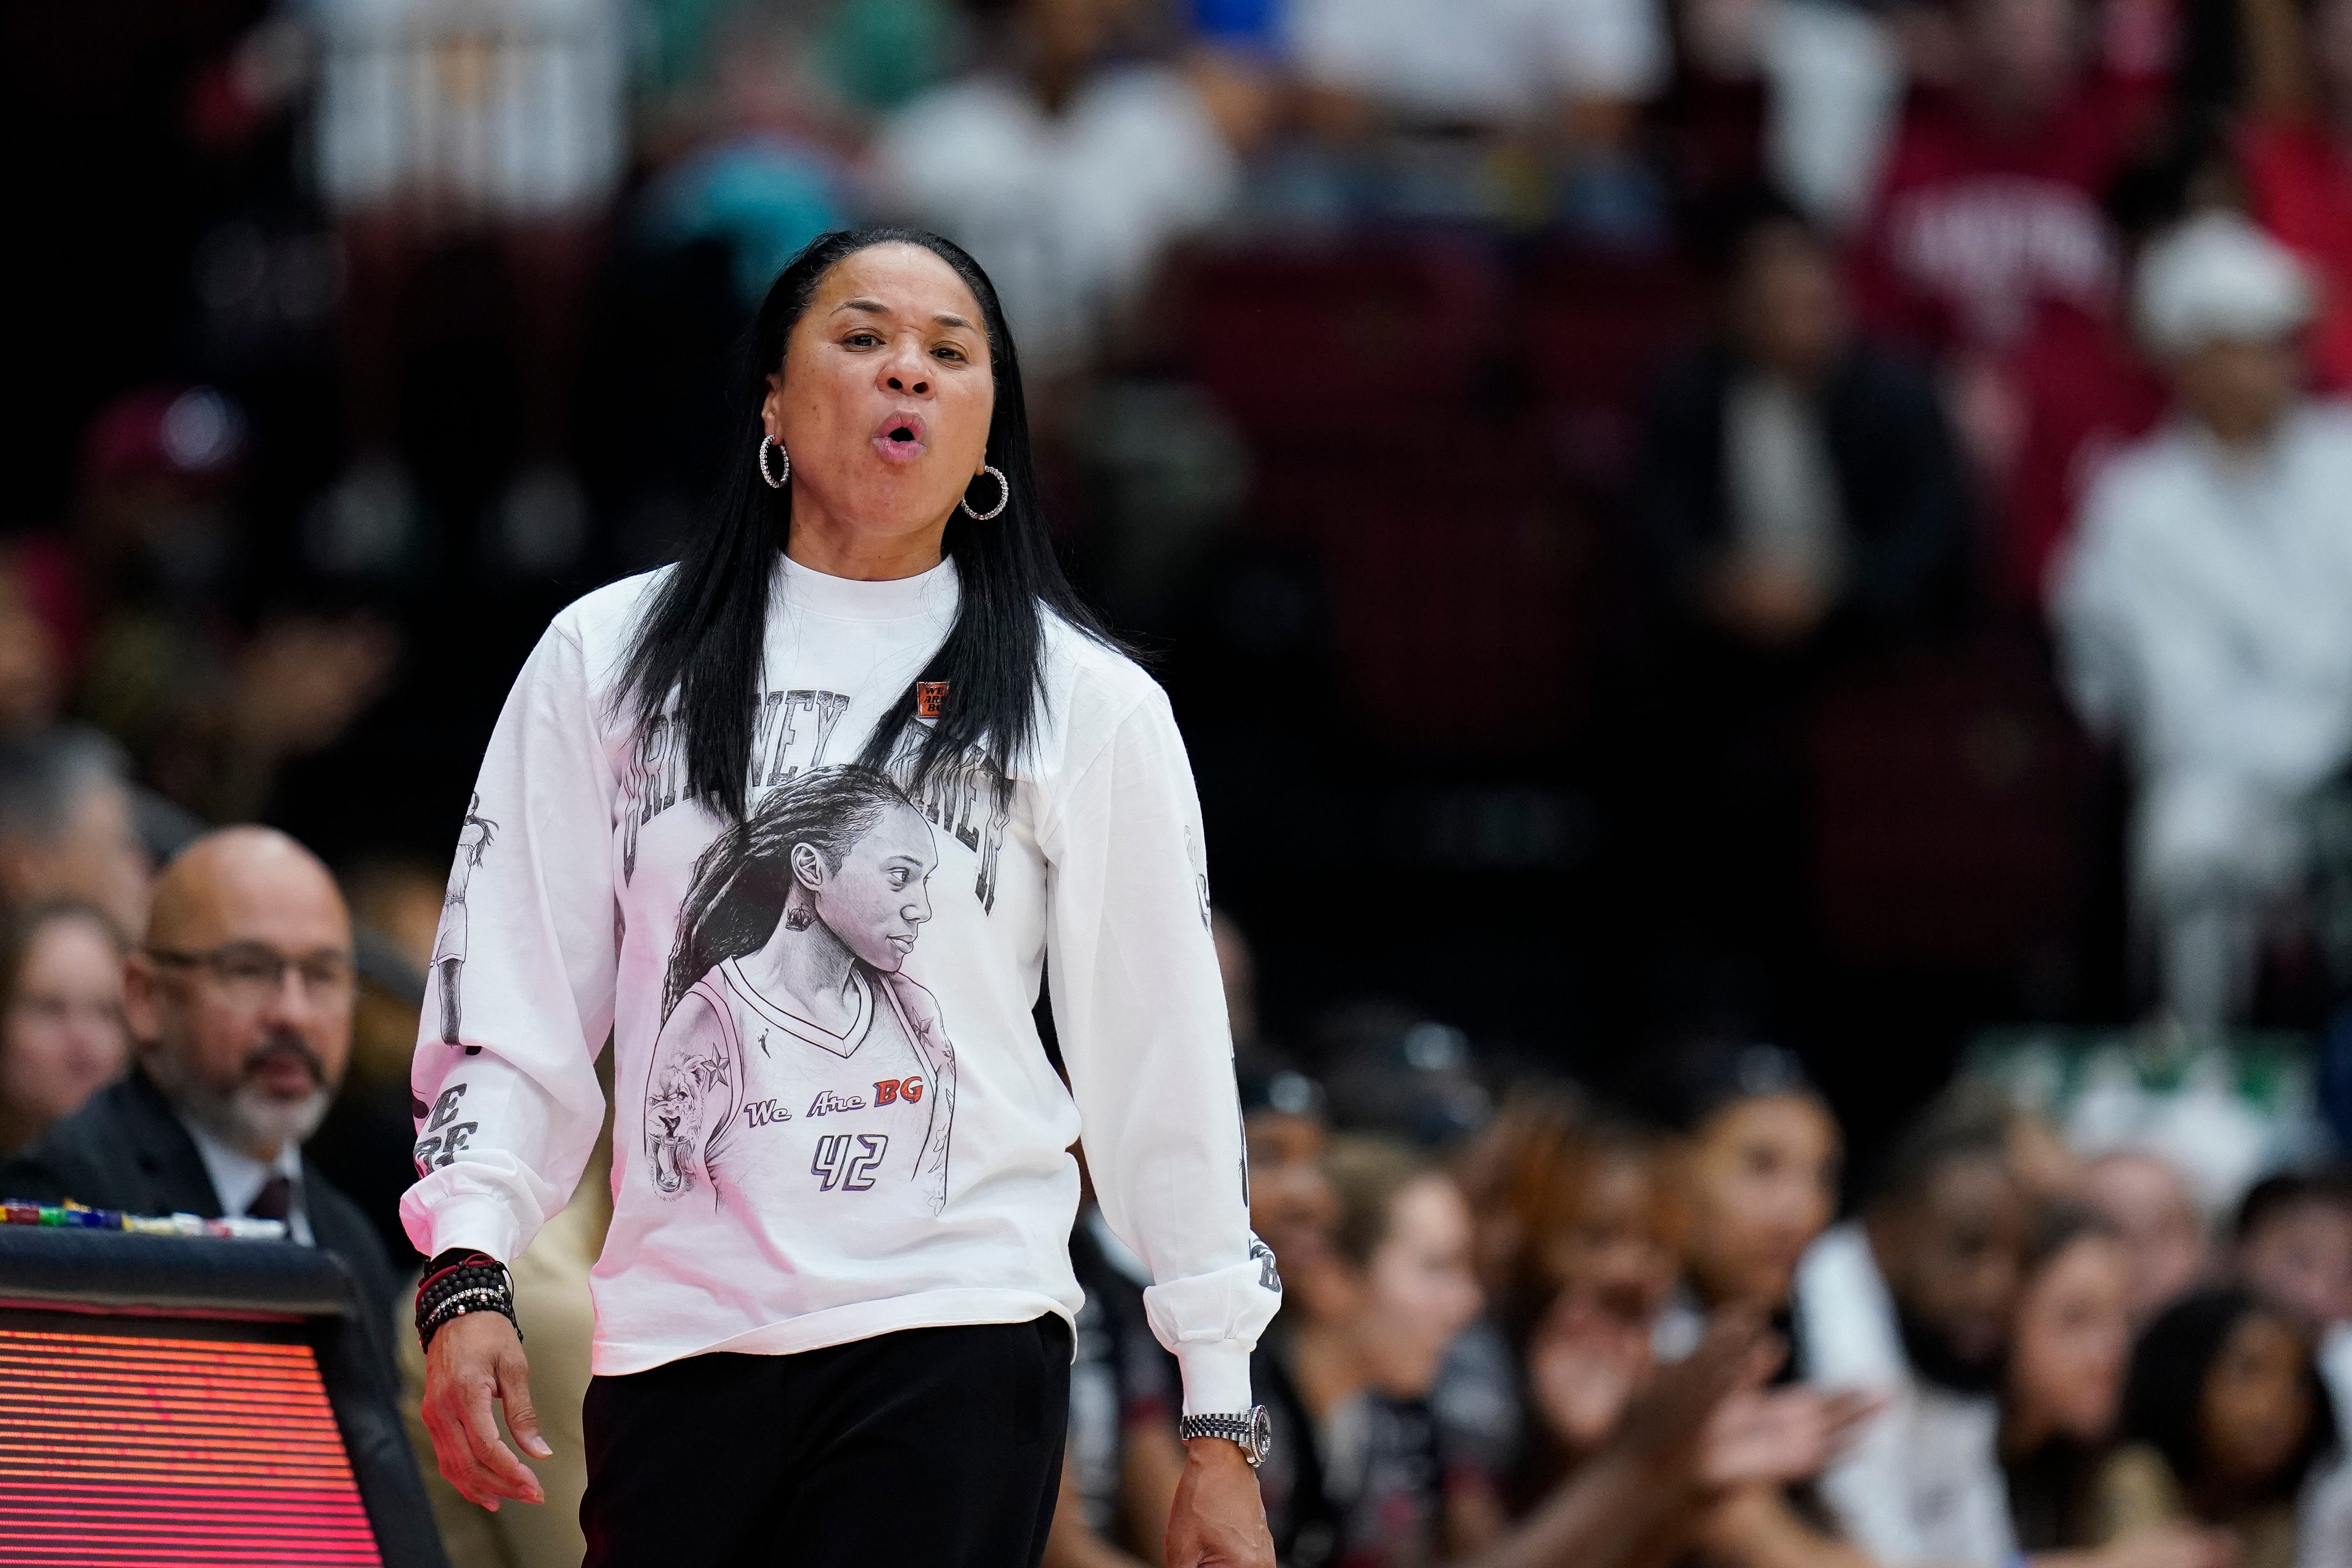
{"x": 2205, "y": 617}
{"x": 1922, "y": 1486}
{"x": 834, "y": 1116}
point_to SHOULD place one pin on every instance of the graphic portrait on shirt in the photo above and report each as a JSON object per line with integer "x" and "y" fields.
{"x": 969, "y": 798}
{"x": 796, "y": 1058}
{"x": 449, "y": 947}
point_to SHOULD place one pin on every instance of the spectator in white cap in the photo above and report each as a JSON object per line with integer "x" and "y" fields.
{"x": 2205, "y": 609}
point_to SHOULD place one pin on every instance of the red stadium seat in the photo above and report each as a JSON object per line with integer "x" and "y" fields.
{"x": 1595, "y": 329}
{"x": 1455, "y": 588}
{"x": 1313, "y": 339}
{"x": 1953, "y": 799}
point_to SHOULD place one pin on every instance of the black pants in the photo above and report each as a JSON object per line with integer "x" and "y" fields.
{"x": 930, "y": 1448}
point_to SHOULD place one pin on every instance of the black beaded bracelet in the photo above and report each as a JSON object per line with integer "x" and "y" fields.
{"x": 459, "y": 1281}
{"x": 441, "y": 1287}
{"x": 464, "y": 1303}
{"x": 471, "y": 1272}
{"x": 473, "y": 1287}
{"x": 483, "y": 1300}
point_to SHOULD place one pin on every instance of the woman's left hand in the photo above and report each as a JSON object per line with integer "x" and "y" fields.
{"x": 1219, "y": 1519}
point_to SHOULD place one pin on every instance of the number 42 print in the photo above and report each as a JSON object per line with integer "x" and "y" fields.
{"x": 847, "y": 1159}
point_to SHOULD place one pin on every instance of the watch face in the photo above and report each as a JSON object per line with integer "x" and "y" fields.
{"x": 1261, "y": 1436}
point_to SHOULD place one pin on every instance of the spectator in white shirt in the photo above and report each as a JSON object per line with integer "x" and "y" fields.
{"x": 2205, "y": 610}
{"x": 1913, "y": 1302}
{"x": 1482, "y": 62}
{"x": 1067, "y": 177}
{"x": 1574, "y": 72}
{"x": 1919, "y": 1300}
{"x": 442, "y": 118}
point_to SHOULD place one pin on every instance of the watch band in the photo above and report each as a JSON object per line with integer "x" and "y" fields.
{"x": 1247, "y": 1429}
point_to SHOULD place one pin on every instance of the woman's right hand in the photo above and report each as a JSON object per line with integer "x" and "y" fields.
{"x": 1666, "y": 1421}
{"x": 1584, "y": 1361}
{"x": 1781, "y": 1435}
{"x": 473, "y": 1360}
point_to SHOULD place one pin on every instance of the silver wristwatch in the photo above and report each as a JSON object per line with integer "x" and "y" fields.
{"x": 1250, "y": 1430}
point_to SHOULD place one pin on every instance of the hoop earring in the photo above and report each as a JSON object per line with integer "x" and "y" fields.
{"x": 1003, "y": 495}
{"x": 776, "y": 483}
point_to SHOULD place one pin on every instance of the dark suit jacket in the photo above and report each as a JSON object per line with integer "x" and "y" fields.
{"x": 1899, "y": 474}
{"x": 127, "y": 1150}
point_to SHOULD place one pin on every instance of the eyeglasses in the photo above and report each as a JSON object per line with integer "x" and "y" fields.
{"x": 250, "y": 972}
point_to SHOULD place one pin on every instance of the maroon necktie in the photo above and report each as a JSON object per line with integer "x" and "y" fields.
{"x": 275, "y": 1201}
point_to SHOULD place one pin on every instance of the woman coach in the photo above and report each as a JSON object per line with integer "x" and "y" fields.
{"x": 818, "y": 1344}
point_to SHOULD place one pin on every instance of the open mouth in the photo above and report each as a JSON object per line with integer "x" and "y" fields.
{"x": 900, "y": 437}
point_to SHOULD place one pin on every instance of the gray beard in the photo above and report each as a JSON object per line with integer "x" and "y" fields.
{"x": 243, "y": 1117}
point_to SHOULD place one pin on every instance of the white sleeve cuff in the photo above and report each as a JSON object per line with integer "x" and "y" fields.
{"x": 1217, "y": 1376}
{"x": 474, "y": 1220}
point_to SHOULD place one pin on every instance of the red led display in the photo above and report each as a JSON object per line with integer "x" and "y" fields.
{"x": 171, "y": 1451}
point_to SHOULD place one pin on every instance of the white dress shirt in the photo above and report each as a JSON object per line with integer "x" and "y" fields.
{"x": 1783, "y": 486}
{"x": 239, "y": 1178}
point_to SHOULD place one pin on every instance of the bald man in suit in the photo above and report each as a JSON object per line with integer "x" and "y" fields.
{"x": 240, "y": 1005}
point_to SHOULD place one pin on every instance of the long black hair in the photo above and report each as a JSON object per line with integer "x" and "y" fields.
{"x": 2164, "y": 1395}
{"x": 743, "y": 882}
{"x": 704, "y": 632}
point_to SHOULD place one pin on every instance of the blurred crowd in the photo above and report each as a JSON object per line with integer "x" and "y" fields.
{"x": 1525, "y": 1323}
{"x": 1669, "y": 524}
